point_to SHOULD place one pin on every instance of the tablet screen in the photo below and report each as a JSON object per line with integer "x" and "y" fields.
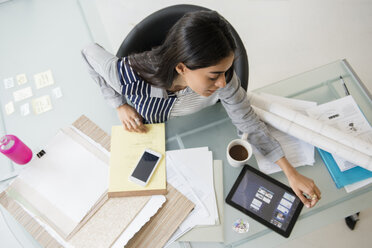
{"x": 266, "y": 200}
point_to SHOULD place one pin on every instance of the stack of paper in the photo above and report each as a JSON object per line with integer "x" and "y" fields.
{"x": 313, "y": 131}
{"x": 190, "y": 171}
{"x": 345, "y": 115}
{"x": 211, "y": 233}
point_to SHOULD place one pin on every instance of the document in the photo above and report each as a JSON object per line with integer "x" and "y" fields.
{"x": 296, "y": 119}
{"x": 298, "y": 152}
{"x": 195, "y": 166}
{"x": 190, "y": 171}
{"x": 313, "y": 131}
{"x": 345, "y": 115}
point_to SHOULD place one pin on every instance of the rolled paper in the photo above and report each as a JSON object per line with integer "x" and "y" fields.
{"x": 312, "y": 137}
{"x": 311, "y": 124}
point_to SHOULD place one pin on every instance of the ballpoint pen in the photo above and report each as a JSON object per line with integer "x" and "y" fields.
{"x": 345, "y": 88}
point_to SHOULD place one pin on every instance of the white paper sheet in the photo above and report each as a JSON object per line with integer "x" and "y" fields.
{"x": 345, "y": 115}
{"x": 175, "y": 178}
{"x": 196, "y": 167}
{"x": 70, "y": 177}
{"x": 181, "y": 185}
{"x": 191, "y": 171}
{"x": 298, "y": 152}
{"x": 149, "y": 210}
{"x": 351, "y": 187}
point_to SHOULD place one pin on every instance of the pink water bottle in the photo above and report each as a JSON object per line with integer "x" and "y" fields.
{"x": 15, "y": 149}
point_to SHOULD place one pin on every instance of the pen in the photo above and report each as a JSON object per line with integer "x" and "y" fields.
{"x": 345, "y": 88}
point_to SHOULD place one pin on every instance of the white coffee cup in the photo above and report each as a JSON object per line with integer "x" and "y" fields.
{"x": 237, "y": 156}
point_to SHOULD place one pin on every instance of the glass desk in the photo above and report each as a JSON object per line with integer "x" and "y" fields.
{"x": 212, "y": 127}
{"x": 47, "y": 39}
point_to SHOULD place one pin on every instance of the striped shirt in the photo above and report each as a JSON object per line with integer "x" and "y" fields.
{"x": 157, "y": 109}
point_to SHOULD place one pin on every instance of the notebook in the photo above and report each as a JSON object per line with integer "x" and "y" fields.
{"x": 126, "y": 148}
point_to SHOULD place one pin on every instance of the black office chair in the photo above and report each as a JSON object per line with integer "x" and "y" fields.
{"x": 152, "y": 30}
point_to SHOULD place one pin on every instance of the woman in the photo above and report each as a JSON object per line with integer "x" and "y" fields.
{"x": 191, "y": 70}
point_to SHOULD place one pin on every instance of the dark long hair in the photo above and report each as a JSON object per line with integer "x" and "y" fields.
{"x": 199, "y": 39}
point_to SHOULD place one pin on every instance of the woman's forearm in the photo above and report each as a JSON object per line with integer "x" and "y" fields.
{"x": 286, "y": 167}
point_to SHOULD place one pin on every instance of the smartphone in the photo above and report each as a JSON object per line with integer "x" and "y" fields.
{"x": 145, "y": 167}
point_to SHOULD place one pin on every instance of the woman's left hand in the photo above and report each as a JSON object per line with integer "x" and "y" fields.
{"x": 302, "y": 186}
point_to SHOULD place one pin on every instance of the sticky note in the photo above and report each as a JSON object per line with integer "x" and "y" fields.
{"x": 43, "y": 79}
{"x": 42, "y": 104}
{"x": 9, "y": 108}
{"x": 57, "y": 92}
{"x": 22, "y": 94}
{"x": 21, "y": 79}
{"x": 25, "y": 109}
{"x": 8, "y": 83}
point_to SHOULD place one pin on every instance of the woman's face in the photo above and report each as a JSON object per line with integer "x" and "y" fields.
{"x": 205, "y": 81}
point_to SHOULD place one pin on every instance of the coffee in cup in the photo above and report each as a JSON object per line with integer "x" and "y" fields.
{"x": 239, "y": 151}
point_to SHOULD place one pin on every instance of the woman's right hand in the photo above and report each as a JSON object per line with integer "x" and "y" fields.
{"x": 131, "y": 119}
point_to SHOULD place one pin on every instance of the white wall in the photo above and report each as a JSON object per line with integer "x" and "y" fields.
{"x": 282, "y": 38}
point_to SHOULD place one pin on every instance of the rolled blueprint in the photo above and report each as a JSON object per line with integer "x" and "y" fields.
{"x": 310, "y": 136}
{"x": 311, "y": 124}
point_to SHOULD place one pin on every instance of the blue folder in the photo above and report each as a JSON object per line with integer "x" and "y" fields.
{"x": 340, "y": 178}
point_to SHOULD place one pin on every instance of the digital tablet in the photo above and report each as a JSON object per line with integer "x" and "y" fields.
{"x": 266, "y": 200}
